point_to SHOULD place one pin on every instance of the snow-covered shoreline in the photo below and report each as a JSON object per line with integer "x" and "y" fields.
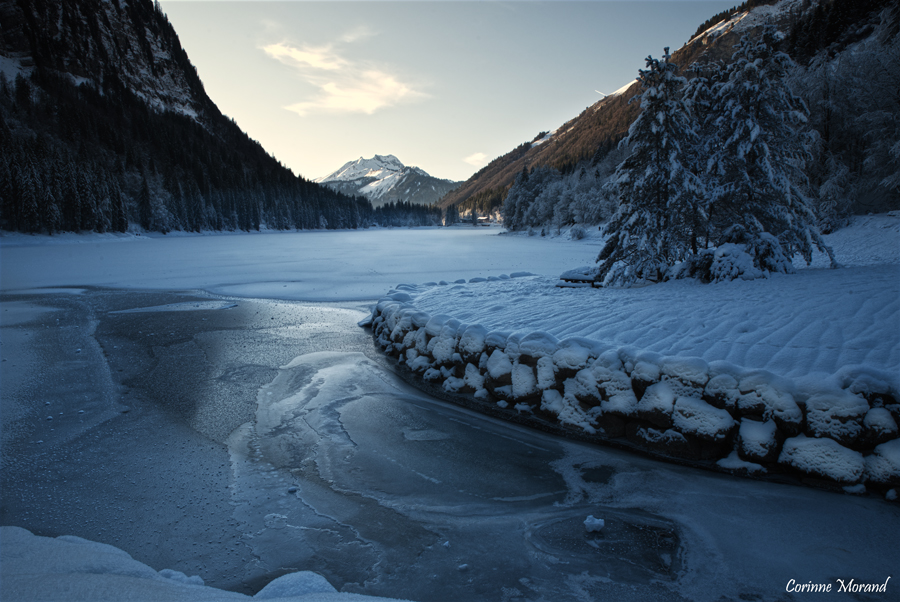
{"x": 795, "y": 374}
{"x": 746, "y": 421}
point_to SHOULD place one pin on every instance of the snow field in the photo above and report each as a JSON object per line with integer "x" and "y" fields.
{"x": 791, "y": 374}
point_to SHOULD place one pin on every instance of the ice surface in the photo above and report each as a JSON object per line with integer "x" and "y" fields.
{"x": 310, "y": 266}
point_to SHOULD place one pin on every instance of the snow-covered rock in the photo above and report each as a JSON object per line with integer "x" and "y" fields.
{"x": 722, "y": 392}
{"x": 546, "y": 373}
{"x": 657, "y": 404}
{"x": 538, "y": 344}
{"x": 524, "y": 382}
{"x": 300, "y": 583}
{"x": 823, "y": 458}
{"x": 593, "y": 525}
{"x": 670, "y": 443}
{"x": 759, "y": 442}
{"x": 499, "y": 366}
{"x": 572, "y": 354}
{"x": 734, "y": 464}
{"x": 689, "y": 370}
{"x": 761, "y": 396}
{"x": 695, "y": 417}
{"x": 880, "y": 426}
{"x": 818, "y": 427}
{"x": 471, "y": 342}
{"x": 883, "y": 466}
{"x": 838, "y": 415}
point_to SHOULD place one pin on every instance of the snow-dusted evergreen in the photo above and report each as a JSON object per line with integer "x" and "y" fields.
{"x": 715, "y": 186}
{"x": 546, "y": 200}
{"x": 661, "y": 216}
{"x": 785, "y": 148}
{"x": 756, "y": 170}
{"x": 854, "y": 105}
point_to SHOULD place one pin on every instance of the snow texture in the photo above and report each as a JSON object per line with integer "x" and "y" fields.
{"x": 72, "y": 568}
{"x": 696, "y": 417}
{"x": 823, "y": 458}
{"x": 733, "y": 462}
{"x": 758, "y": 440}
{"x": 829, "y": 410}
{"x": 883, "y": 466}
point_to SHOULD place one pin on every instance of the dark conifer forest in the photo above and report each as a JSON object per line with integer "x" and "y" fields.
{"x": 105, "y": 128}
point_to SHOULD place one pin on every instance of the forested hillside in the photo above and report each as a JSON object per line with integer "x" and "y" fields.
{"x": 104, "y": 123}
{"x": 845, "y": 69}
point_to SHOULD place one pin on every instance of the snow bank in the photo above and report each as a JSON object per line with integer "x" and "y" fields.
{"x": 72, "y": 568}
{"x": 816, "y": 324}
{"x": 784, "y": 410}
{"x": 746, "y": 421}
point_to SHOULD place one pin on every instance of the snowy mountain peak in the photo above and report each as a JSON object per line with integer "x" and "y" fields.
{"x": 384, "y": 178}
{"x": 388, "y": 160}
{"x": 378, "y": 166}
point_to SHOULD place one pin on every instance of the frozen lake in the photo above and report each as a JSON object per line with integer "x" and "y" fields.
{"x": 308, "y": 266}
{"x": 239, "y": 437}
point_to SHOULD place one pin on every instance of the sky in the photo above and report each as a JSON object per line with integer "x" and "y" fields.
{"x": 446, "y": 86}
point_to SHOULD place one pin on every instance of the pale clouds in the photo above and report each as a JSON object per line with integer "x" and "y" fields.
{"x": 476, "y": 159}
{"x": 316, "y": 58}
{"x": 365, "y": 93}
{"x": 359, "y": 33}
{"x": 344, "y": 85}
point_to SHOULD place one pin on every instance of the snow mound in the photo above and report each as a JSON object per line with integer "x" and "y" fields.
{"x": 295, "y": 585}
{"x": 72, "y": 568}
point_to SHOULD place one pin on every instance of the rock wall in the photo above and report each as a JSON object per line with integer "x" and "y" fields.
{"x": 748, "y": 422}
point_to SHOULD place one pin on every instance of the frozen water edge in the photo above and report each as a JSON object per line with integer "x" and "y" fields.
{"x": 737, "y": 538}
{"x": 403, "y": 472}
{"x": 393, "y": 487}
{"x": 337, "y": 416}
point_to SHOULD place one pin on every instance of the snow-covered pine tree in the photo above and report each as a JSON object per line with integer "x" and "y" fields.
{"x": 661, "y": 216}
{"x": 510, "y": 204}
{"x": 756, "y": 171}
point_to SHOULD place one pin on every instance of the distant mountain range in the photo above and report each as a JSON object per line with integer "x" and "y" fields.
{"x": 383, "y": 179}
